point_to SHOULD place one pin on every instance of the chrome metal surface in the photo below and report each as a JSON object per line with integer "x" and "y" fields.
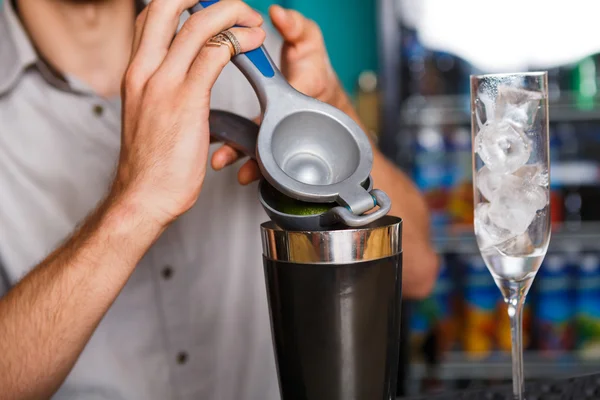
{"x": 314, "y": 149}
{"x": 349, "y": 219}
{"x": 375, "y": 241}
{"x": 336, "y": 316}
{"x": 241, "y": 134}
{"x": 313, "y": 152}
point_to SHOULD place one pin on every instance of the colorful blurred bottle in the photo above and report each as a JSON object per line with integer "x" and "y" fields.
{"x": 431, "y": 173}
{"x": 480, "y": 296}
{"x": 445, "y": 316}
{"x": 460, "y": 205}
{"x": 556, "y": 200}
{"x": 555, "y": 306}
{"x": 423, "y": 314}
{"x": 413, "y": 70}
{"x": 584, "y": 81}
{"x": 587, "y": 307}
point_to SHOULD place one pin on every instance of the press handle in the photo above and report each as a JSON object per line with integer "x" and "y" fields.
{"x": 238, "y": 132}
{"x": 346, "y": 217}
{"x": 256, "y": 65}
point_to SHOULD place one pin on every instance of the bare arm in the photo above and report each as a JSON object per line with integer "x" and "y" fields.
{"x": 46, "y": 319}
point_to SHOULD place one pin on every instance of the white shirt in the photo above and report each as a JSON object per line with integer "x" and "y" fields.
{"x": 192, "y": 321}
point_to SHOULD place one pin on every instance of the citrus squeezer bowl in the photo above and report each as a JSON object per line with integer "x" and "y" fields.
{"x": 241, "y": 134}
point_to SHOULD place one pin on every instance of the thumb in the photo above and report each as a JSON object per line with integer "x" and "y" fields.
{"x": 289, "y": 23}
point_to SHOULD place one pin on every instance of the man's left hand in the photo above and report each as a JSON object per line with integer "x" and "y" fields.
{"x": 305, "y": 64}
{"x": 304, "y": 59}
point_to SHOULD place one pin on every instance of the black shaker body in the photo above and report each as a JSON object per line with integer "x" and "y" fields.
{"x": 335, "y": 301}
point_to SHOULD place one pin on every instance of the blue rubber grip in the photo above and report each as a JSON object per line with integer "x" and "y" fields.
{"x": 256, "y": 56}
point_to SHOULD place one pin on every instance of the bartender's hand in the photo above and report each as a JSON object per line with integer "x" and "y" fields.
{"x": 305, "y": 64}
{"x": 166, "y": 94}
{"x": 304, "y": 59}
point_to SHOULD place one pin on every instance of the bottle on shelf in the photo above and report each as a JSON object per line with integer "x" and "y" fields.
{"x": 367, "y": 101}
{"x": 587, "y": 307}
{"x": 562, "y": 136}
{"x": 436, "y": 325}
{"x": 554, "y": 306}
{"x": 431, "y": 173}
{"x": 413, "y": 69}
{"x": 421, "y": 322}
{"x": 480, "y": 297}
{"x": 460, "y": 204}
{"x": 445, "y": 323}
{"x": 435, "y": 317}
{"x": 584, "y": 83}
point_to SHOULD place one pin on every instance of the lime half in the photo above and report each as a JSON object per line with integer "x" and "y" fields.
{"x": 288, "y": 205}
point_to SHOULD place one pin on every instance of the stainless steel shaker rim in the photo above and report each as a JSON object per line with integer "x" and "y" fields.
{"x": 381, "y": 239}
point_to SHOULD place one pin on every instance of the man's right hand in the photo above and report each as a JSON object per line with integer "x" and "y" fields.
{"x": 166, "y": 95}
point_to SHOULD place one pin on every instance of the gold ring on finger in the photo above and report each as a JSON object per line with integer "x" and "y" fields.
{"x": 221, "y": 40}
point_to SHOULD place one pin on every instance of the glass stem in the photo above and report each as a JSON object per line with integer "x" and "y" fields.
{"x": 515, "y": 314}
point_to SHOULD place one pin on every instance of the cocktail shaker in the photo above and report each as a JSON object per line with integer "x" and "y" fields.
{"x": 334, "y": 300}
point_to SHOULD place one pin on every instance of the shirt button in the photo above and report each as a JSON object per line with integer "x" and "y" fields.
{"x": 167, "y": 272}
{"x": 98, "y": 110}
{"x": 182, "y": 357}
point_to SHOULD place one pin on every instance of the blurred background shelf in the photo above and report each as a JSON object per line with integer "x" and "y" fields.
{"x": 456, "y": 365}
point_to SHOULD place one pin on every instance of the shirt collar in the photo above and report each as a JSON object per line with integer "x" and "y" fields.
{"x": 16, "y": 51}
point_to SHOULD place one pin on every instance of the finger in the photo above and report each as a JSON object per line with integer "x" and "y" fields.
{"x": 293, "y": 26}
{"x": 224, "y": 157}
{"x": 210, "y": 61}
{"x": 132, "y": 82}
{"x": 203, "y": 25}
{"x": 140, "y": 22}
{"x": 159, "y": 27}
{"x": 248, "y": 173}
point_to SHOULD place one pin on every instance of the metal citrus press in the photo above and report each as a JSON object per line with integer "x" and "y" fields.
{"x": 306, "y": 149}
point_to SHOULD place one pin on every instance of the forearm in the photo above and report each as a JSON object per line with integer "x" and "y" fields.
{"x": 420, "y": 259}
{"x": 46, "y": 319}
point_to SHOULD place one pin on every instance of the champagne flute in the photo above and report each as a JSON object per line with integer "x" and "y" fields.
{"x": 509, "y": 123}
